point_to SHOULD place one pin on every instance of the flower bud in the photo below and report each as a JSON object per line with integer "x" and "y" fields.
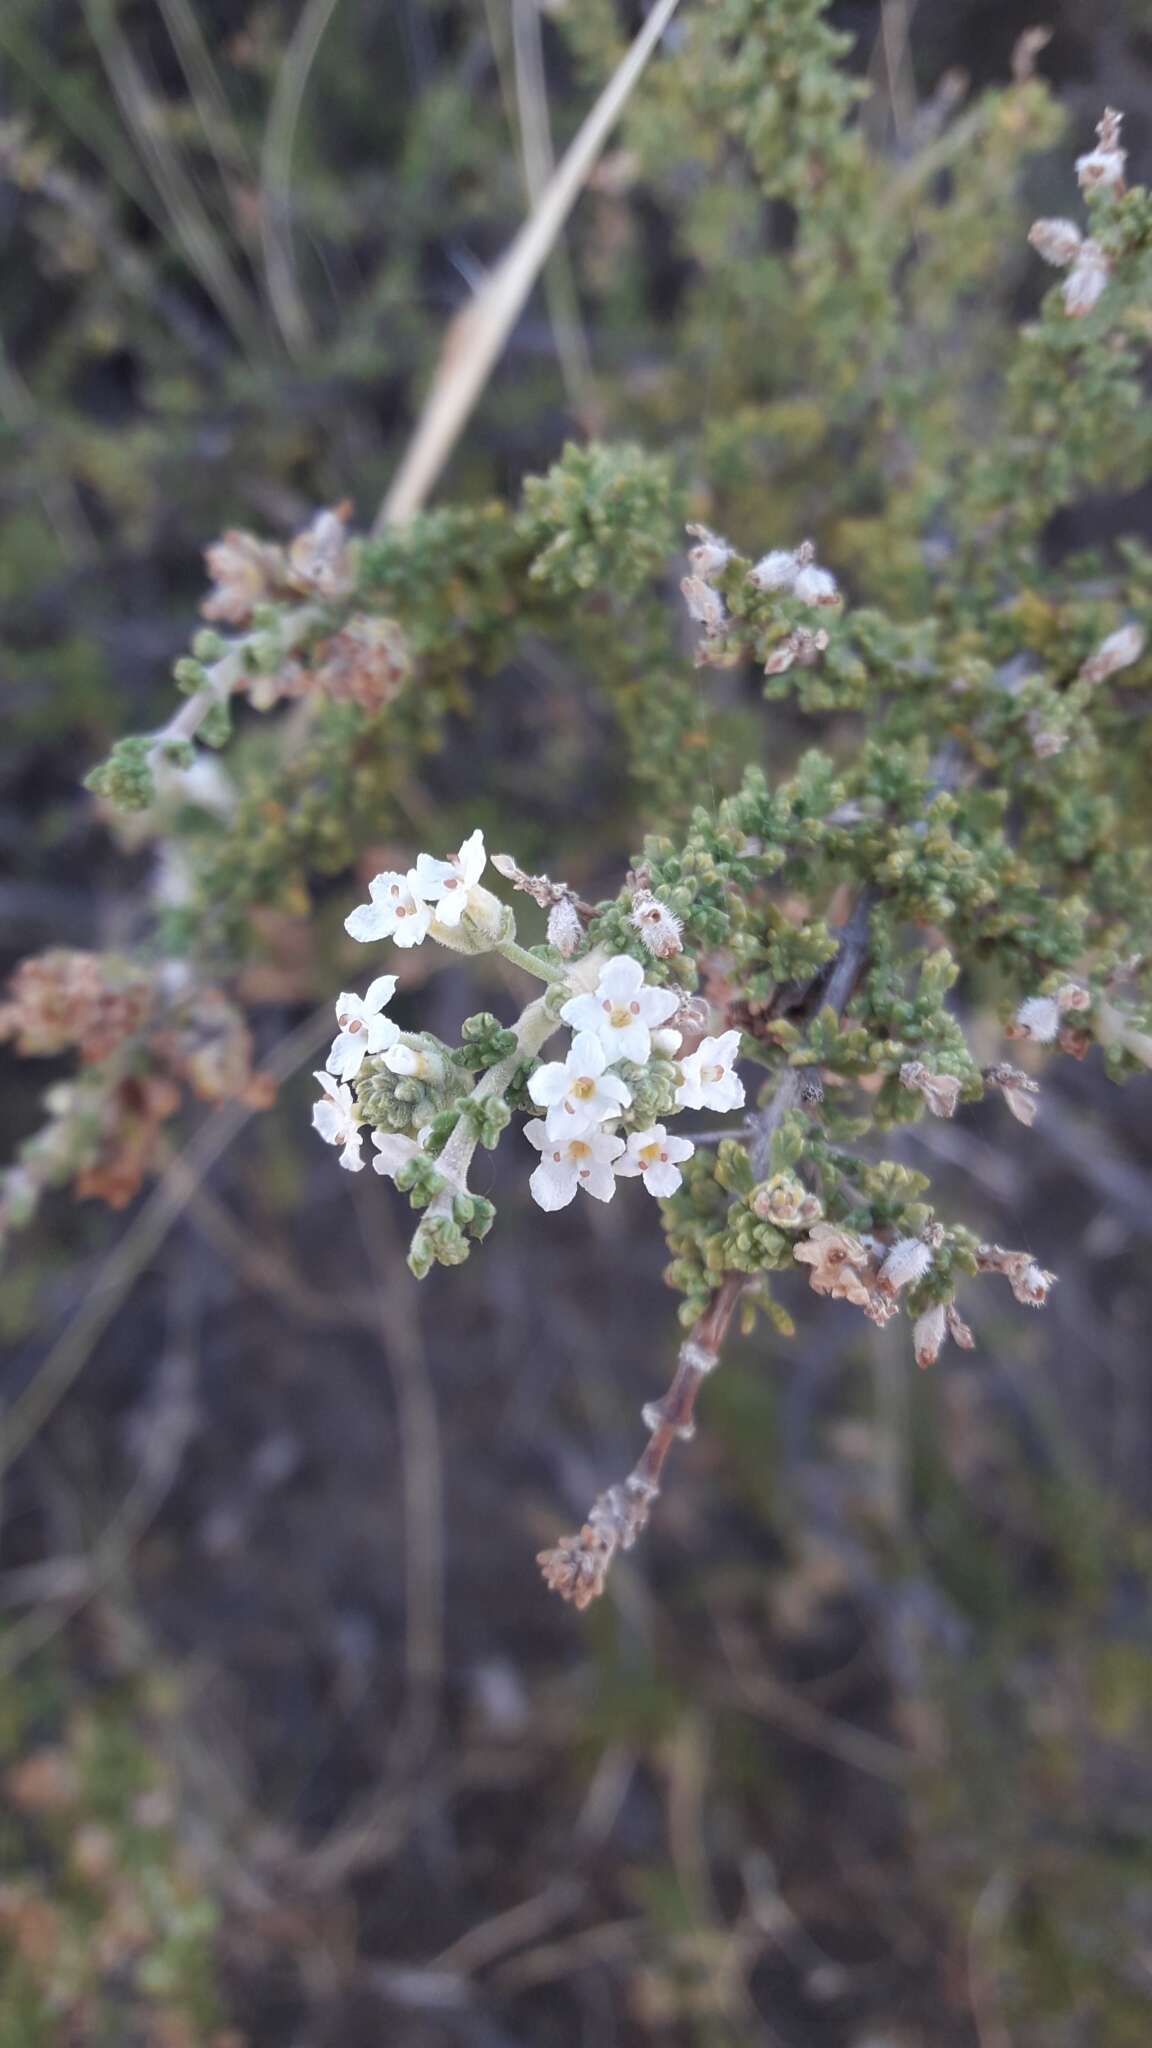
{"x": 565, "y": 930}
{"x": 659, "y": 927}
{"x": 928, "y": 1333}
{"x": 907, "y": 1262}
{"x": 1038, "y": 1018}
{"x": 486, "y": 923}
{"x": 1086, "y": 280}
{"x": 1057, "y": 241}
{"x": 1118, "y": 651}
{"x": 815, "y": 586}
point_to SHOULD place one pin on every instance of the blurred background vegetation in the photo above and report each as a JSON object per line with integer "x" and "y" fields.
{"x": 295, "y": 1748}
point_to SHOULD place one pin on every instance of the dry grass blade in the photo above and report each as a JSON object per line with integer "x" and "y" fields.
{"x": 194, "y": 232}
{"x": 477, "y": 335}
{"x": 276, "y": 175}
{"x": 221, "y": 131}
{"x": 539, "y": 161}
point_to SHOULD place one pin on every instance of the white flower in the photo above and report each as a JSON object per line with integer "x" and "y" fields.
{"x": 363, "y": 1027}
{"x": 775, "y": 571}
{"x": 907, "y": 1262}
{"x": 708, "y": 1081}
{"x": 1085, "y": 282}
{"x": 395, "y": 912}
{"x": 337, "y": 1122}
{"x": 1057, "y": 241}
{"x": 577, "y": 1092}
{"x": 653, "y": 1154}
{"x": 448, "y": 883}
{"x": 583, "y": 1162}
{"x": 623, "y": 1012}
{"x": 815, "y": 586}
{"x": 1038, "y": 1018}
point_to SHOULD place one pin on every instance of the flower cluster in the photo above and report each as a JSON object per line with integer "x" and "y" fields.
{"x": 626, "y": 1056}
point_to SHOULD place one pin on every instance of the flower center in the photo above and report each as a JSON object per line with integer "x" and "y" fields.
{"x": 583, "y": 1088}
{"x": 621, "y": 1014}
{"x": 715, "y": 1073}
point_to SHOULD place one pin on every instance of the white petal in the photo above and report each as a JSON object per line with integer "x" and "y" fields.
{"x": 607, "y": 1146}
{"x": 599, "y": 1181}
{"x": 411, "y": 930}
{"x": 657, "y": 1004}
{"x": 549, "y": 1084}
{"x": 630, "y": 1042}
{"x": 369, "y": 921}
{"x": 620, "y": 979}
{"x": 587, "y": 1055}
{"x": 472, "y": 857}
{"x": 379, "y": 992}
{"x": 613, "y": 1089}
{"x": 326, "y": 1119}
{"x": 347, "y": 1055}
{"x": 583, "y": 1013}
{"x": 428, "y": 876}
{"x": 381, "y": 1032}
{"x": 536, "y": 1133}
{"x": 549, "y": 1190}
{"x": 352, "y": 1157}
{"x": 663, "y": 1179}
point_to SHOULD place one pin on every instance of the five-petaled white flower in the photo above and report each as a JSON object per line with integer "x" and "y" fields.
{"x": 653, "y": 1154}
{"x": 708, "y": 1080}
{"x": 565, "y": 1165}
{"x": 363, "y": 1027}
{"x": 624, "y": 1011}
{"x": 446, "y": 883}
{"x": 395, "y": 912}
{"x": 337, "y": 1122}
{"x": 577, "y": 1093}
